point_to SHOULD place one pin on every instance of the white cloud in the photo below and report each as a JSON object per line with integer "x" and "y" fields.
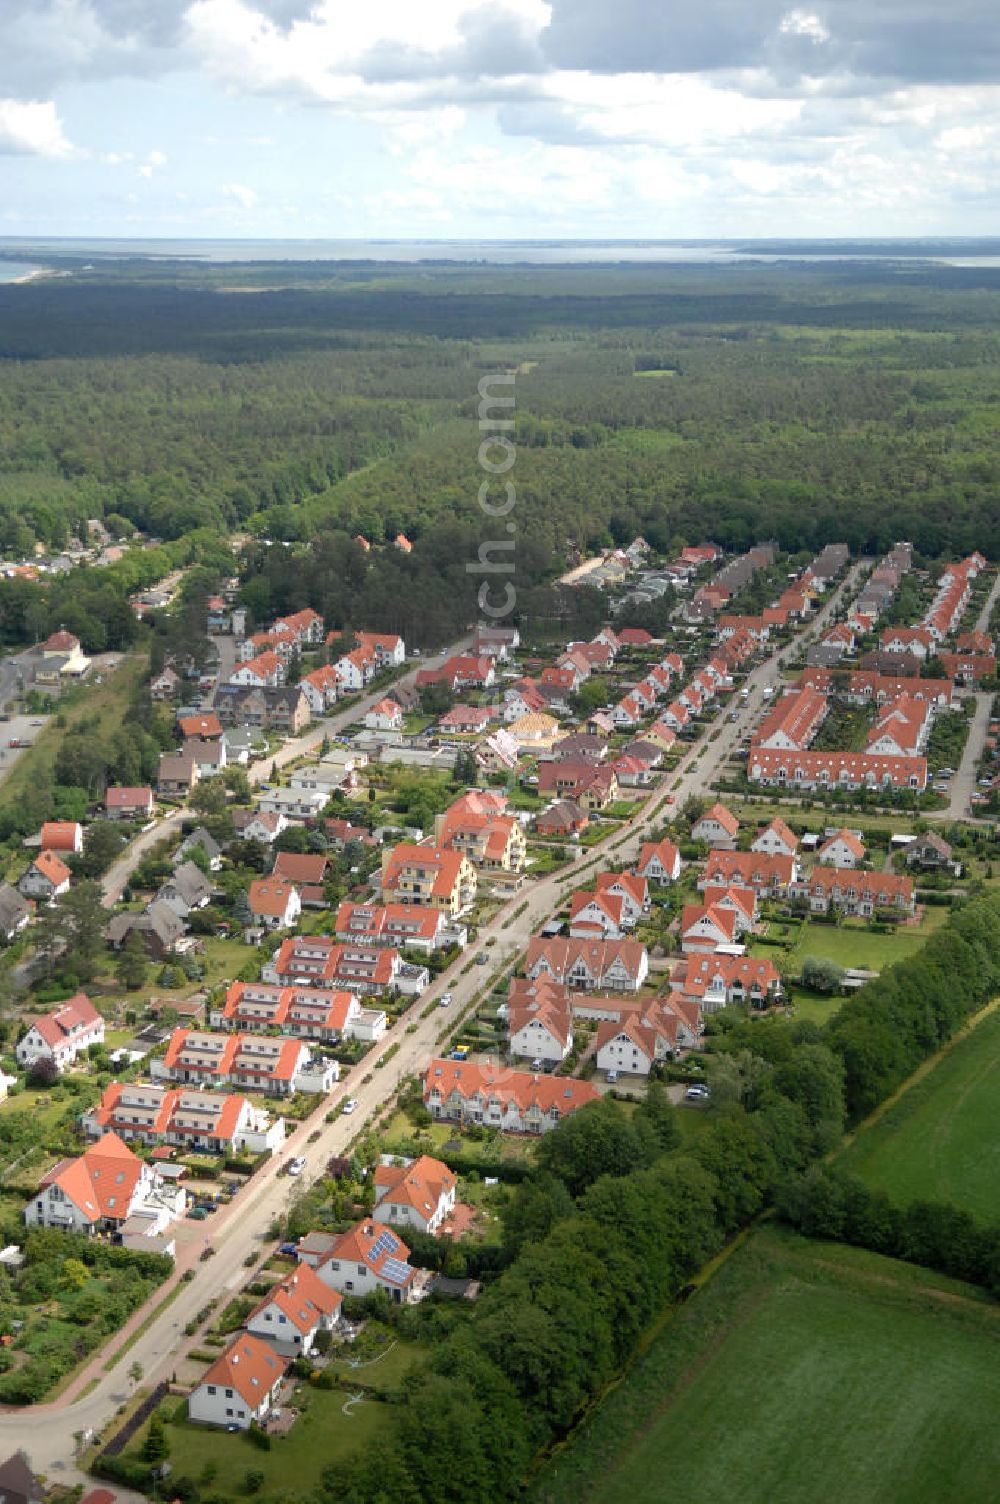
{"x": 32, "y": 127}
{"x": 240, "y": 194}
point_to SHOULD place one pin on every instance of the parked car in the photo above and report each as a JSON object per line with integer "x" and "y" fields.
{"x": 482, "y": 959}
{"x": 445, "y": 1000}
{"x": 349, "y": 1106}
{"x": 612, "y": 1077}
{"x": 697, "y": 1093}
{"x": 297, "y": 1165}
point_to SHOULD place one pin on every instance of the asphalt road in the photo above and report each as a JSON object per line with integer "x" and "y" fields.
{"x": 46, "y": 1431}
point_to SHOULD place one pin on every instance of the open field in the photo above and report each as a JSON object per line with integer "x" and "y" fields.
{"x": 941, "y": 1141}
{"x": 816, "y": 1362}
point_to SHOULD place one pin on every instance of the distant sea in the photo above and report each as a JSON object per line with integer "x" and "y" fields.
{"x": 968, "y": 251}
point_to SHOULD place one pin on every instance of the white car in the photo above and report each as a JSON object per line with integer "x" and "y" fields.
{"x": 297, "y": 1165}
{"x": 697, "y": 1093}
{"x": 349, "y": 1106}
{"x": 445, "y": 1000}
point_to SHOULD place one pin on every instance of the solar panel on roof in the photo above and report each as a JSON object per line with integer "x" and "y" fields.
{"x": 386, "y": 1242}
{"x": 395, "y": 1270}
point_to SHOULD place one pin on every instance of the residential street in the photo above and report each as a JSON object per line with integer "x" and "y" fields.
{"x": 46, "y": 1431}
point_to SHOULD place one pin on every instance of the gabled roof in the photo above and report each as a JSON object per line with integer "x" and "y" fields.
{"x": 249, "y": 1366}
{"x": 380, "y": 1249}
{"x": 300, "y": 867}
{"x": 722, "y": 816}
{"x": 128, "y": 798}
{"x": 419, "y": 1185}
{"x": 62, "y": 1022}
{"x": 846, "y": 838}
{"x": 302, "y": 1298}
{"x": 52, "y": 867}
{"x": 102, "y": 1181}
{"x": 269, "y": 897}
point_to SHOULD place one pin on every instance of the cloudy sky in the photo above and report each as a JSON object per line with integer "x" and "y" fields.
{"x": 499, "y": 118}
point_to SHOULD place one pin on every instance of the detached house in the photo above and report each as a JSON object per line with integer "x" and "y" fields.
{"x": 417, "y": 1193}
{"x": 128, "y": 804}
{"x": 844, "y": 849}
{"x": 716, "y": 827}
{"x": 295, "y": 1310}
{"x": 274, "y": 904}
{"x": 776, "y": 839}
{"x": 104, "y": 1190}
{"x": 659, "y": 862}
{"x": 370, "y": 1257}
{"x": 61, "y": 1035}
{"x": 46, "y": 878}
{"x": 241, "y": 1387}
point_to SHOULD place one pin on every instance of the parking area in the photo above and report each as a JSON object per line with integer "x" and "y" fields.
{"x": 17, "y": 734}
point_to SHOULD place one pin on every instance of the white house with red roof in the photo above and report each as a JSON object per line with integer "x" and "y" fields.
{"x": 386, "y": 715}
{"x": 642, "y": 1038}
{"x": 321, "y": 688}
{"x": 61, "y": 1035}
{"x": 388, "y": 647}
{"x": 707, "y": 927}
{"x": 215, "y": 1122}
{"x": 416, "y": 1193}
{"x": 274, "y": 903}
{"x": 103, "y": 1189}
{"x": 295, "y": 1310}
{"x": 715, "y": 980}
{"x": 775, "y": 839}
{"x": 594, "y": 915}
{"x": 633, "y": 890}
{"x": 241, "y": 1387}
{"x": 539, "y": 1021}
{"x": 407, "y": 926}
{"x": 306, "y": 1012}
{"x": 259, "y": 1063}
{"x": 593, "y": 965}
{"x": 496, "y": 1097}
{"x": 370, "y": 1257}
{"x": 659, "y": 862}
{"x": 843, "y": 849}
{"x": 267, "y": 670}
{"x": 749, "y": 869}
{"x": 717, "y": 826}
{"x": 861, "y": 893}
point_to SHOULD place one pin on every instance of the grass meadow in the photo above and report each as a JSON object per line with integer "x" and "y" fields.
{"x": 799, "y": 1362}
{"x": 940, "y": 1140}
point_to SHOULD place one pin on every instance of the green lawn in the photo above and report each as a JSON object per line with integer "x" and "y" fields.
{"x": 800, "y": 1373}
{"x": 941, "y": 1140}
{"x": 852, "y": 943}
{"x": 322, "y": 1435}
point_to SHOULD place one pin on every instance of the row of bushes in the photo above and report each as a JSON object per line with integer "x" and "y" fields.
{"x": 883, "y": 1033}
{"x": 825, "y": 1202}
